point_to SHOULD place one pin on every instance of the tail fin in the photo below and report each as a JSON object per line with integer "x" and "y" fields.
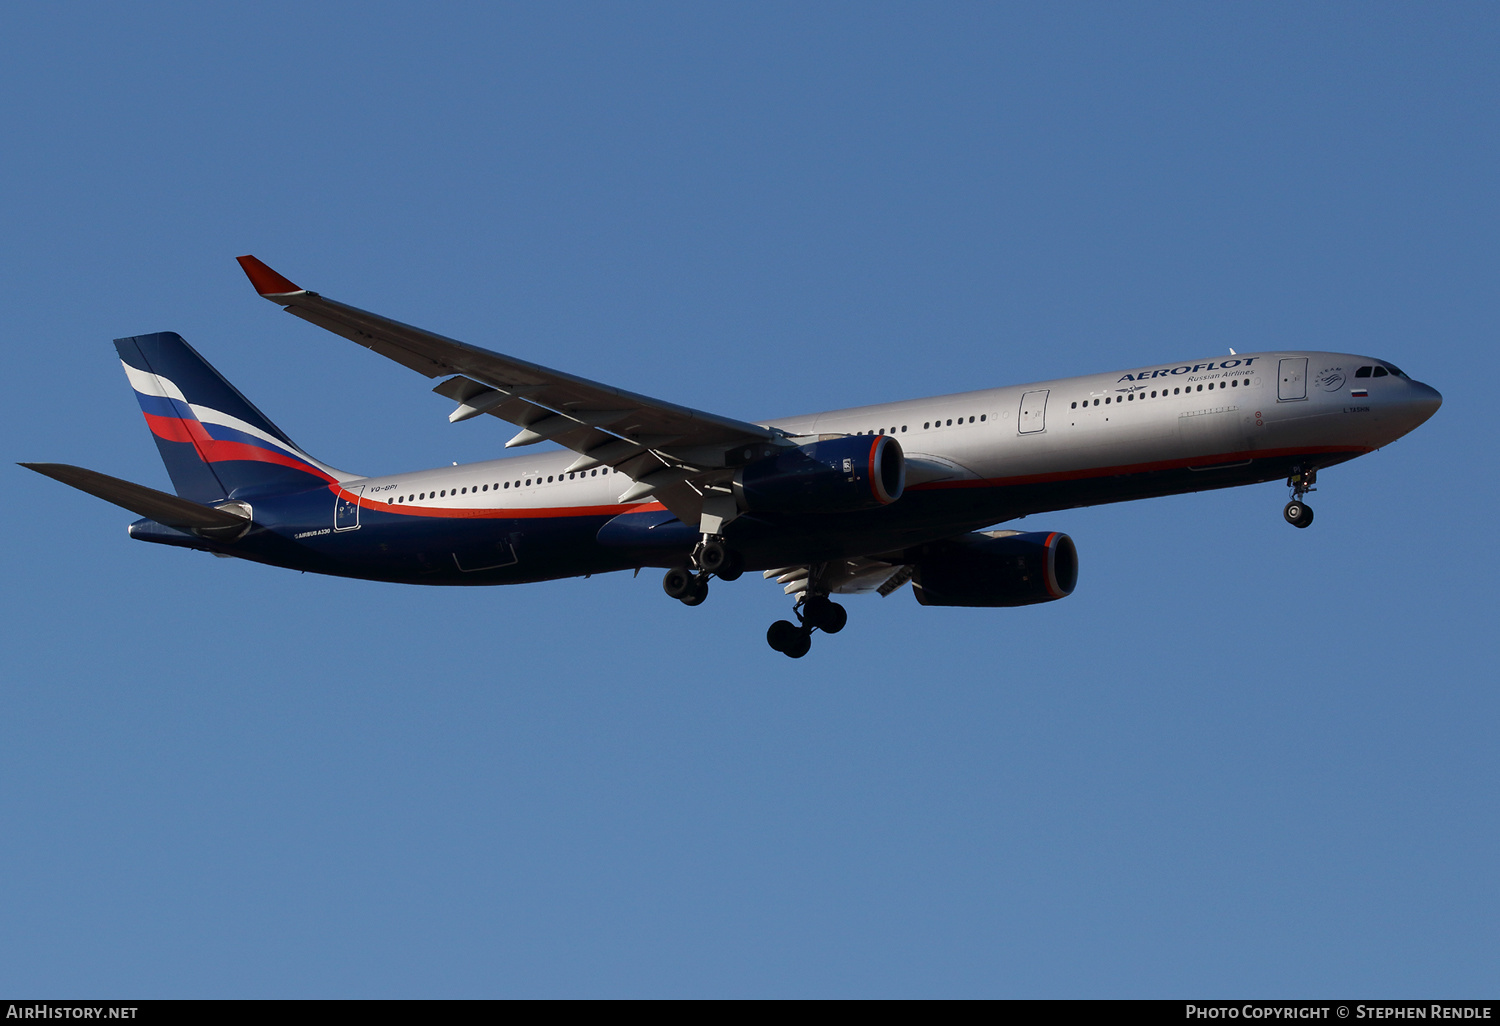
{"x": 213, "y": 440}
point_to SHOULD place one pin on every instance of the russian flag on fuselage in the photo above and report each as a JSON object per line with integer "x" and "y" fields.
{"x": 213, "y": 440}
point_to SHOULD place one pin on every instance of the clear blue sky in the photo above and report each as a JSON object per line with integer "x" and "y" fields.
{"x": 1241, "y": 760}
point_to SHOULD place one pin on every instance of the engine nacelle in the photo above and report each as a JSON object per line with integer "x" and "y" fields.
{"x": 1001, "y": 568}
{"x": 837, "y": 476}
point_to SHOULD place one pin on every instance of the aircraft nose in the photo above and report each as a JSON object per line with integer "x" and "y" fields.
{"x": 1424, "y": 401}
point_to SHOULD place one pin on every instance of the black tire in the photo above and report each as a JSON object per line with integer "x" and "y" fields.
{"x": 678, "y": 582}
{"x": 828, "y": 617}
{"x": 781, "y": 634}
{"x": 833, "y": 619}
{"x": 799, "y": 645}
{"x": 733, "y": 567}
{"x": 1298, "y": 513}
{"x": 712, "y": 556}
{"x": 697, "y": 595}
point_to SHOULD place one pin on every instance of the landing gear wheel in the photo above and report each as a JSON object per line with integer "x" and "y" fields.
{"x": 697, "y": 595}
{"x": 788, "y": 639}
{"x": 733, "y": 567}
{"x": 679, "y": 583}
{"x": 712, "y": 555}
{"x": 1298, "y": 514}
{"x": 828, "y": 617}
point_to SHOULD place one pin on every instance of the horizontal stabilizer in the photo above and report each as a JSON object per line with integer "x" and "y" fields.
{"x": 183, "y": 514}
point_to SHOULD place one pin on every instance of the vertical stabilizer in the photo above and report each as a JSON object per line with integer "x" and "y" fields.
{"x": 214, "y": 441}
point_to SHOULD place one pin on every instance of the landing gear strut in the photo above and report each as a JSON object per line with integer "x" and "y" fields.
{"x": 815, "y": 612}
{"x": 1297, "y": 512}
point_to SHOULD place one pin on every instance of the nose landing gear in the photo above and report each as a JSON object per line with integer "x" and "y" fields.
{"x": 1297, "y": 512}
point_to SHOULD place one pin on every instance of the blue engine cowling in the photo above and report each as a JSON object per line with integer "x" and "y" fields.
{"x": 1002, "y": 569}
{"x": 837, "y": 476}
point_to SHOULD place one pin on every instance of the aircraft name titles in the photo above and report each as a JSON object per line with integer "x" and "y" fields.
{"x": 1190, "y": 368}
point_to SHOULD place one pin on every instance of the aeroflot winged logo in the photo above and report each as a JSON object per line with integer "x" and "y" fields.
{"x": 1190, "y": 368}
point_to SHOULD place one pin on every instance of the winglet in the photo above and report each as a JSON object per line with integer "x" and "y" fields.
{"x": 266, "y": 281}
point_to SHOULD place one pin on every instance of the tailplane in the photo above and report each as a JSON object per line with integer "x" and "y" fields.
{"x": 223, "y": 523}
{"x": 214, "y": 441}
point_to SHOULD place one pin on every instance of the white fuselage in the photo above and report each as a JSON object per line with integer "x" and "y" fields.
{"x": 1217, "y": 409}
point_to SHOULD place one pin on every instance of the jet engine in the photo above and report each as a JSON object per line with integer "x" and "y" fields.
{"x": 996, "y": 568}
{"x": 839, "y": 475}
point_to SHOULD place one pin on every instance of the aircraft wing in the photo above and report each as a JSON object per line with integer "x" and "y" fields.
{"x": 669, "y": 451}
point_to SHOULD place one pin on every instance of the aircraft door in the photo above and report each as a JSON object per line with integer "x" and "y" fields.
{"x": 346, "y": 508}
{"x": 1033, "y": 412}
{"x": 1292, "y": 379}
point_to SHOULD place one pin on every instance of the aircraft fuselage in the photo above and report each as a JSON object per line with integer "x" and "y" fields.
{"x": 973, "y": 459}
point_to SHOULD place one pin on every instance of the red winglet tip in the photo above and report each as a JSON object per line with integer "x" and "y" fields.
{"x": 266, "y": 281}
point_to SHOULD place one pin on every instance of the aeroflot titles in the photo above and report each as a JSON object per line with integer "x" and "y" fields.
{"x": 1192, "y": 368}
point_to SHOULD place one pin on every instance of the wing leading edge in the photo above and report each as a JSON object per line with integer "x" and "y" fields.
{"x": 679, "y": 455}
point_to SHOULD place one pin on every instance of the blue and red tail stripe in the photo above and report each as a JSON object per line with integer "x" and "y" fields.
{"x": 213, "y": 440}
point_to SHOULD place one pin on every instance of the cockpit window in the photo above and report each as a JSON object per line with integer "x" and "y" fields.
{"x": 1363, "y": 372}
{"x": 1395, "y": 370}
{"x": 1381, "y": 372}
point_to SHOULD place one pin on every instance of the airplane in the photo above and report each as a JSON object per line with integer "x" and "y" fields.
{"x": 858, "y": 500}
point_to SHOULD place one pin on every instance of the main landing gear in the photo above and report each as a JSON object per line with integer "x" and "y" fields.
{"x": 814, "y": 612}
{"x": 1297, "y": 512}
{"x": 711, "y": 558}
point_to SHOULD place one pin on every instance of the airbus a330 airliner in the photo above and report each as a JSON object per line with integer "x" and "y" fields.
{"x": 856, "y": 500}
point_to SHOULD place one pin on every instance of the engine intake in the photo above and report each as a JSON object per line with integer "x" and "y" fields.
{"x": 1001, "y": 568}
{"x": 836, "y": 476}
